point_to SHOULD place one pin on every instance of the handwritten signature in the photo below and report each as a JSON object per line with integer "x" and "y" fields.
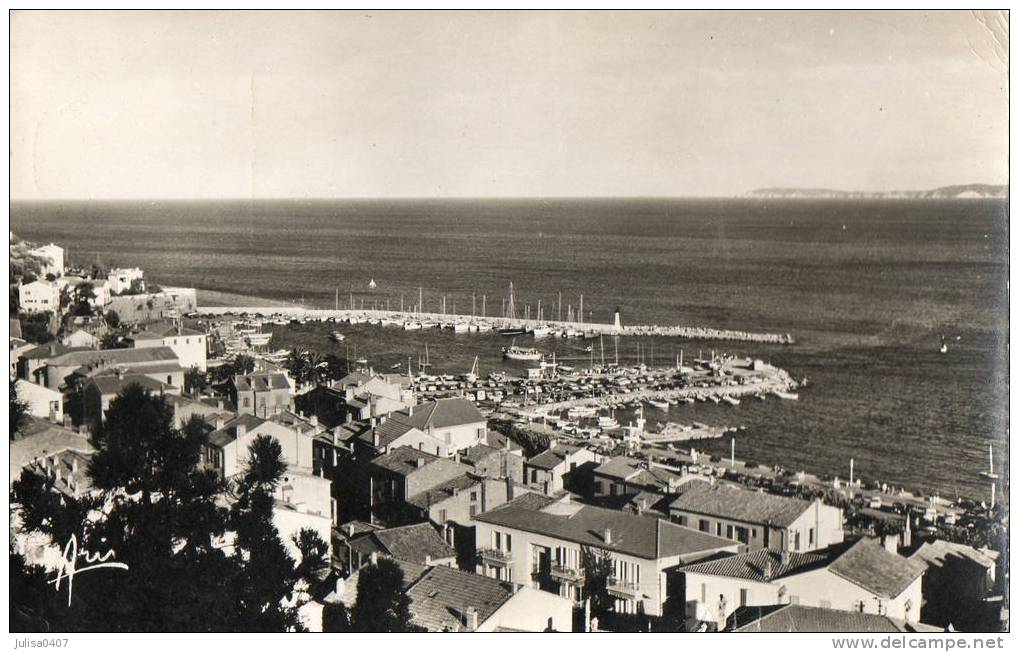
{"x": 68, "y": 566}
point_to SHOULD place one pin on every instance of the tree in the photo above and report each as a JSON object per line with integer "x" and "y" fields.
{"x": 112, "y": 319}
{"x": 18, "y": 410}
{"x": 382, "y": 604}
{"x": 195, "y": 381}
{"x": 597, "y": 565}
{"x": 243, "y": 364}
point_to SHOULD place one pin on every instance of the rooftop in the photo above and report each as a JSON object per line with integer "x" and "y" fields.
{"x": 550, "y": 458}
{"x": 228, "y": 433}
{"x": 883, "y": 573}
{"x": 438, "y": 493}
{"x": 796, "y": 618}
{"x": 740, "y": 504}
{"x": 418, "y": 543}
{"x": 84, "y": 357}
{"x": 404, "y": 460}
{"x": 441, "y": 597}
{"x": 940, "y": 553}
{"x": 39, "y": 438}
{"x": 109, "y": 384}
{"x": 762, "y": 565}
{"x": 260, "y": 382}
{"x": 640, "y": 536}
{"x": 637, "y": 472}
{"x": 441, "y": 413}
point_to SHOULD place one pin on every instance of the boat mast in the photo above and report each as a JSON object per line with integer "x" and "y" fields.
{"x": 581, "y": 309}
{"x": 483, "y": 305}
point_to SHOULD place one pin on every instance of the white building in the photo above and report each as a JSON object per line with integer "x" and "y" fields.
{"x": 53, "y": 259}
{"x": 120, "y": 279}
{"x": 42, "y": 402}
{"x": 39, "y": 296}
{"x": 189, "y": 345}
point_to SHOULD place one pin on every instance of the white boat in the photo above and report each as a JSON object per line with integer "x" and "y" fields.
{"x": 461, "y": 327}
{"x": 730, "y": 400}
{"x": 412, "y": 326}
{"x": 661, "y": 405}
{"x": 258, "y": 339}
{"x": 520, "y": 353}
{"x": 789, "y": 396}
{"x": 607, "y": 423}
{"x": 337, "y": 336}
{"x": 541, "y": 331}
{"x": 989, "y": 473}
{"x": 372, "y": 285}
{"x": 484, "y": 327}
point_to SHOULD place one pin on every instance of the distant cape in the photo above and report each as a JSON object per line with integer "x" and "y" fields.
{"x": 967, "y": 191}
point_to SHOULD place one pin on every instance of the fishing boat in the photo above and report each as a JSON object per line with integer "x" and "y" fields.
{"x": 512, "y": 332}
{"x": 337, "y": 336}
{"x": 789, "y": 396}
{"x": 989, "y": 473}
{"x": 661, "y": 405}
{"x": 730, "y": 400}
{"x": 396, "y": 366}
{"x": 520, "y": 353}
{"x": 607, "y": 423}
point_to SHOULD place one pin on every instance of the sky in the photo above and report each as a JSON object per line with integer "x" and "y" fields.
{"x": 203, "y": 105}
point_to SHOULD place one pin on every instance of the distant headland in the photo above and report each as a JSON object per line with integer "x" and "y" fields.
{"x": 967, "y": 191}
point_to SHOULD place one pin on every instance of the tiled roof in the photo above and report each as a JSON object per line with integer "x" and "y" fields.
{"x": 498, "y": 440}
{"x": 649, "y": 538}
{"x": 441, "y": 597}
{"x": 114, "y": 356}
{"x": 162, "y": 330}
{"x": 883, "y": 573}
{"x": 416, "y": 543}
{"x": 442, "y": 413}
{"x": 354, "y": 528}
{"x": 228, "y": 433}
{"x": 761, "y": 565}
{"x": 740, "y": 504}
{"x": 404, "y": 460}
{"x": 114, "y": 384}
{"x": 633, "y": 470}
{"x": 438, "y": 493}
{"x": 550, "y": 458}
{"x": 939, "y": 553}
{"x": 260, "y": 382}
{"x": 789, "y": 618}
{"x": 479, "y": 452}
{"x": 38, "y": 438}
{"x": 51, "y": 350}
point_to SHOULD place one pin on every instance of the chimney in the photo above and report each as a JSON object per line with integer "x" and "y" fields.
{"x": 374, "y": 558}
{"x": 375, "y": 437}
{"x": 314, "y": 420}
{"x": 471, "y": 619}
{"x": 419, "y": 462}
{"x": 509, "y": 489}
{"x": 241, "y": 430}
{"x": 219, "y": 422}
{"x": 785, "y": 557}
{"x": 456, "y": 491}
{"x": 350, "y": 529}
{"x": 768, "y": 571}
{"x": 607, "y": 535}
{"x": 74, "y": 465}
{"x": 428, "y": 560}
{"x": 507, "y": 443}
{"x": 890, "y": 542}
{"x": 350, "y": 417}
{"x": 410, "y": 411}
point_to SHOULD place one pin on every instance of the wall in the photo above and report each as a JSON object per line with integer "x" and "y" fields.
{"x": 461, "y": 437}
{"x": 297, "y": 449}
{"x": 822, "y": 585}
{"x": 42, "y": 402}
{"x": 703, "y": 596}
{"x": 529, "y": 610}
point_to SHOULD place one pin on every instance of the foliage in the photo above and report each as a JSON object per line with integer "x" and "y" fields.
{"x": 243, "y": 364}
{"x": 382, "y": 605}
{"x": 532, "y": 442}
{"x": 18, "y": 411}
{"x": 37, "y": 327}
{"x": 597, "y": 565}
{"x": 195, "y": 381}
{"x": 309, "y": 367}
{"x": 112, "y": 319}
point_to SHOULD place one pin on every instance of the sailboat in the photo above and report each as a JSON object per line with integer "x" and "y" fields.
{"x": 426, "y": 363}
{"x": 989, "y": 473}
{"x": 944, "y": 347}
{"x": 371, "y": 284}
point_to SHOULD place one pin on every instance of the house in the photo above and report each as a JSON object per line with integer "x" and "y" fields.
{"x": 360, "y": 395}
{"x": 227, "y": 447}
{"x": 120, "y": 279}
{"x": 958, "y": 580}
{"x": 18, "y": 348}
{"x": 303, "y": 501}
{"x": 448, "y": 425}
{"x": 52, "y": 259}
{"x": 540, "y": 541}
{"x": 493, "y": 462}
{"x": 32, "y": 360}
{"x": 757, "y": 519}
{"x": 402, "y": 473}
{"x": 189, "y": 344}
{"x": 58, "y": 370}
{"x": 862, "y": 577}
{"x": 81, "y": 339}
{"x": 39, "y": 438}
{"x": 625, "y": 476}
{"x": 789, "y": 618}
{"x": 261, "y": 394}
{"x": 42, "y": 402}
{"x": 552, "y": 470}
{"x": 98, "y": 391}
{"x": 417, "y": 543}
{"x": 449, "y": 600}
{"x": 39, "y": 296}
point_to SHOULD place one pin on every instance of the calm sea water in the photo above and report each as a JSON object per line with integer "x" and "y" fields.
{"x": 866, "y": 288}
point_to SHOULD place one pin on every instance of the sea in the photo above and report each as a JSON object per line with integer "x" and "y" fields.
{"x": 869, "y": 290}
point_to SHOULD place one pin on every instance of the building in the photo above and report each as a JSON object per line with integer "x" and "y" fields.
{"x": 862, "y": 577}
{"x": 190, "y": 345}
{"x": 955, "y": 587}
{"x": 627, "y": 476}
{"x": 417, "y": 543}
{"x": 790, "y": 618}
{"x": 261, "y": 394}
{"x": 98, "y": 391}
{"x": 552, "y": 470}
{"x": 120, "y": 279}
{"x": 81, "y": 339}
{"x": 52, "y": 259}
{"x": 39, "y": 438}
{"x": 757, "y": 519}
{"x": 448, "y": 600}
{"x": 405, "y": 472}
{"x": 540, "y": 541}
{"x": 170, "y": 303}
{"x": 30, "y": 361}
{"x": 496, "y": 462}
{"x": 42, "y": 402}
{"x": 227, "y": 447}
{"x": 450, "y": 424}
{"x": 39, "y": 296}
{"x": 78, "y": 365}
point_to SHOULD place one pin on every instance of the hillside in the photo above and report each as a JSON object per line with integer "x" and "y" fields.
{"x": 966, "y": 191}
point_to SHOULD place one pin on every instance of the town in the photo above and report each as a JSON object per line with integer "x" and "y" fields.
{"x": 417, "y": 501}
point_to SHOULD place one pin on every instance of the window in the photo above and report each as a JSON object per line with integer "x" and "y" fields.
{"x": 796, "y": 541}
{"x": 728, "y": 531}
{"x": 767, "y": 537}
{"x": 744, "y": 597}
{"x": 682, "y": 519}
{"x": 509, "y": 543}
{"x": 705, "y": 525}
{"x": 810, "y": 536}
{"x": 497, "y": 540}
{"x": 247, "y": 402}
{"x": 718, "y": 529}
{"x": 599, "y": 488}
{"x": 474, "y": 510}
{"x": 474, "y": 496}
{"x": 169, "y": 380}
{"x": 858, "y": 606}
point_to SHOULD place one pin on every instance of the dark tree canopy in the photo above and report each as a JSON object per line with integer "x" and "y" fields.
{"x": 18, "y": 411}
{"x": 382, "y": 604}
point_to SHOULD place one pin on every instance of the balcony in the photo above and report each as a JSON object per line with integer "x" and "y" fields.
{"x": 494, "y": 556}
{"x": 626, "y": 590}
{"x": 563, "y": 573}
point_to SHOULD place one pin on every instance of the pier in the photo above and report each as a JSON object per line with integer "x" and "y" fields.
{"x": 439, "y": 319}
